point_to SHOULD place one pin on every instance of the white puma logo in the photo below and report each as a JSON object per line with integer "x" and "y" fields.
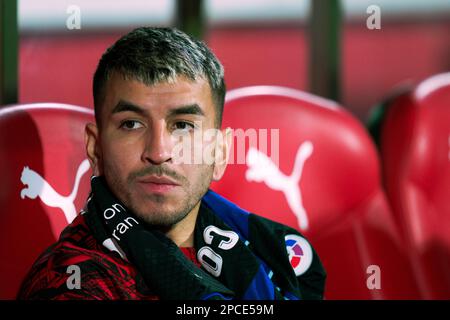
{"x": 262, "y": 169}
{"x": 37, "y": 186}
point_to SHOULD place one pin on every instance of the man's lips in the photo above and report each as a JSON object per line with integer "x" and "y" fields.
{"x": 158, "y": 180}
{"x": 157, "y": 184}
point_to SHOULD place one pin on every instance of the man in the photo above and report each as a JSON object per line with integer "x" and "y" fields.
{"x": 151, "y": 229}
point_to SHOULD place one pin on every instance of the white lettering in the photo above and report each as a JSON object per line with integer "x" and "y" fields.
{"x": 205, "y": 146}
{"x": 374, "y": 20}
{"x": 74, "y": 281}
{"x": 193, "y": 310}
{"x": 232, "y": 236}
{"x": 205, "y": 254}
{"x": 122, "y": 227}
{"x": 74, "y": 20}
{"x": 114, "y": 235}
{"x": 107, "y": 217}
{"x": 374, "y": 280}
{"x": 127, "y": 220}
{"x": 117, "y": 207}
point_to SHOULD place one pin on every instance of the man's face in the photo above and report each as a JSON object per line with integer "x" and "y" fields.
{"x": 133, "y": 147}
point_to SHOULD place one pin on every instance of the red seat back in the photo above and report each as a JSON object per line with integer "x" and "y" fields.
{"x": 415, "y": 148}
{"x": 327, "y": 186}
{"x": 45, "y": 182}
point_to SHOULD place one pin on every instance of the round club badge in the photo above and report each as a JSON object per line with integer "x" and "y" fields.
{"x": 300, "y": 253}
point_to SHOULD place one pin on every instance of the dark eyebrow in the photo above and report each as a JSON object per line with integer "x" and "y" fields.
{"x": 124, "y": 106}
{"x": 190, "y": 109}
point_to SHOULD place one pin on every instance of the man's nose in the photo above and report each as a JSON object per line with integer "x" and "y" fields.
{"x": 158, "y": 148}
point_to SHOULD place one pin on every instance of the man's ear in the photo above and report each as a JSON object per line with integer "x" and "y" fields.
{"x": 223, "y": 147}
{"x": 91, "y": 139}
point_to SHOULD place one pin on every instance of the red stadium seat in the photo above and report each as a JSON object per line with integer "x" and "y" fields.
{"x": 415, "y": 150}
{"x": 45, "y": 182}
{"x": 327, "y": 185}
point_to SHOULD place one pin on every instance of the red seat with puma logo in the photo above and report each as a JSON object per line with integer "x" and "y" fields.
{"x": 45, "y": 182}
{"x": 415, "y": 150}
{"x": 327, "y": 186}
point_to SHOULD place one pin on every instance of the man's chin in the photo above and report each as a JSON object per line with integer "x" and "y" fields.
{"x": 160, "y": 219}
{"x": 156, "y": 209}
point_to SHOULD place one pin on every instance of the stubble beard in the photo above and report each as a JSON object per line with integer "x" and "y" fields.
{"x": 155, "y": 217}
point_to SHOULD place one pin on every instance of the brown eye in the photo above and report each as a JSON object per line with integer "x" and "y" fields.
{"x": 131, "y": 125}
{"x": 183, "y": 126}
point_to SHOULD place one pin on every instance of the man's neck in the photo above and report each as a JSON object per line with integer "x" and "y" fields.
{"x": 182, "y": 233}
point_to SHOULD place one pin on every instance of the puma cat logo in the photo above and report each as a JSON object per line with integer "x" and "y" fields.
{"x": 37, "y": 186}
{"x": 262, "y": 169}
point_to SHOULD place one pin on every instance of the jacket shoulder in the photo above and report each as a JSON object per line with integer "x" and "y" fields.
{"x": 75, "y": 254}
